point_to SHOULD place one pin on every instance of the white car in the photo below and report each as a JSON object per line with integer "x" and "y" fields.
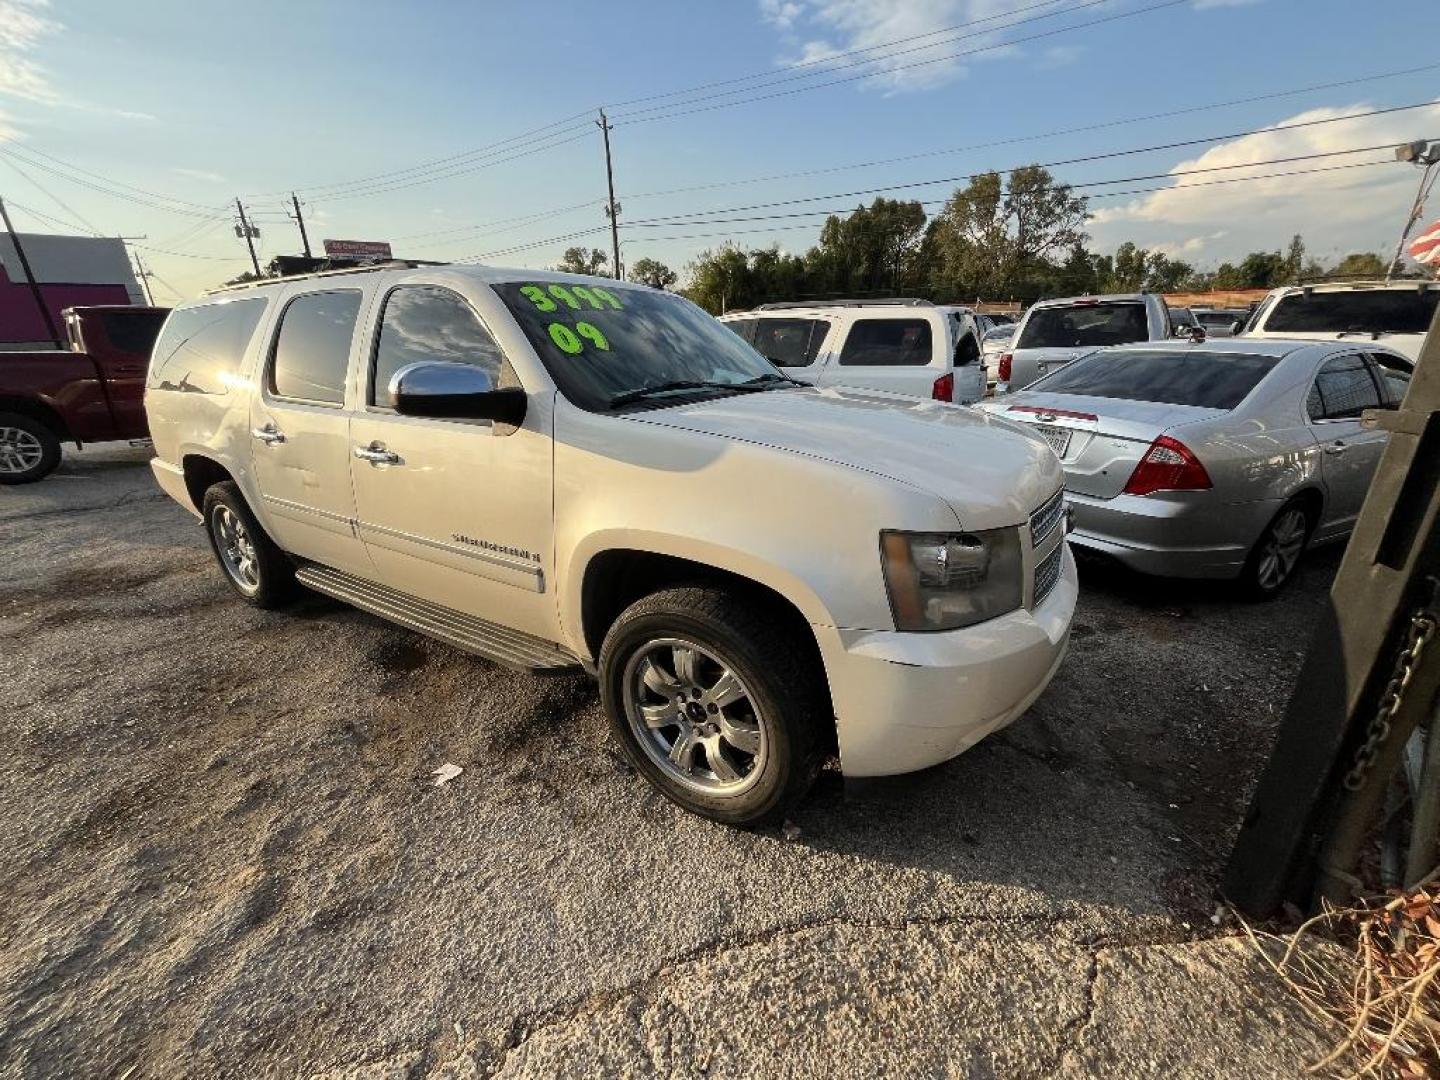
{"x": 565, "y": 473}
{"x": 1055, "y": 332}
{"x": 908, "y": 347}
{"x": 1397, "y": 313}
{"x": 993, "y": 346}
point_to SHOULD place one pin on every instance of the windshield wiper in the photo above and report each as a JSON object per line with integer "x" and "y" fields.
{"x": 760, "y": 382}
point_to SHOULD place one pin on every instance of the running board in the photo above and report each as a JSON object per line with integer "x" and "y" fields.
{"x": 504, "y": 646}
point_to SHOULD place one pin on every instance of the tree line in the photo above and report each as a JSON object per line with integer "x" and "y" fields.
{"x": 998, "y": 238}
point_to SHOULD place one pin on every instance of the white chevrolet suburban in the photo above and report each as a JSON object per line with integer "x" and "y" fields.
{"x": 563, "y": 473}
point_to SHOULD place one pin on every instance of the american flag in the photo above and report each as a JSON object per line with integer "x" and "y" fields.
{"x": 1425, "y": 248}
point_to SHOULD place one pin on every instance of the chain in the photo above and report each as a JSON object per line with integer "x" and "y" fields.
{"x": 1423, "y": 625}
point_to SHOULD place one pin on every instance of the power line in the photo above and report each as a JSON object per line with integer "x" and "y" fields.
{"x": 1085, "y": 159}
{"x": 52, "y": 220}
{"x": 113, "y": 182}
{"x": 10, "y": 153}
{"x": 638, "y": 117}
{"x": 1057, "y": 133}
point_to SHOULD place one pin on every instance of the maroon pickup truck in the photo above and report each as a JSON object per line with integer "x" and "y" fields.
{"x": 92, "y": 392}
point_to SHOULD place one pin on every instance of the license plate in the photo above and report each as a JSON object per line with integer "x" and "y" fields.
{"x": 1057, "y": 437}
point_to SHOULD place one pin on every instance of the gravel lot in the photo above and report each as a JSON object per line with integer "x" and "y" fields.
{"x": 222, "y": 856}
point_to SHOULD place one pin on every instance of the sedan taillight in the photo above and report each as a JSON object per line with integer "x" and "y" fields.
{"x": 1006, "y": 359}
{"x": 1168, "y": 466}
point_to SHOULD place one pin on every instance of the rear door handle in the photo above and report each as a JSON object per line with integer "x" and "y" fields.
{"x": 1336, "y": 447}
{"x": 268, "y": 434}
{"x": 377, "y": 455}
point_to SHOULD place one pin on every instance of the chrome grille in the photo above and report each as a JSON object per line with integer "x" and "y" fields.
{"x": 1047, "y": 574}
{"x": 1044, "y": 520}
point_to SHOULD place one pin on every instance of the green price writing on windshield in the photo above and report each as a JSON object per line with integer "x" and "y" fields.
{"x": 574, "y": 297}
{"x": 568, "y": 340}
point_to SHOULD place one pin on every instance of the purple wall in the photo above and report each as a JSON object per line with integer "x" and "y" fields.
{"x": 20, "y": 319}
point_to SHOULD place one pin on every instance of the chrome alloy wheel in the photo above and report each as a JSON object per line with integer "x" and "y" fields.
{"x": 694, "y": 718}
{"x": 236, "y": 548}
{"x": 20, "y": 450}
{"x": 1281, "y": 547}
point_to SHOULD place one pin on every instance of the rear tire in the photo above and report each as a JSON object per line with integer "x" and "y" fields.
{"x": 29, "y": 450}
{"x": 717, "y": 705}
{"x": 1273, "y": 561}
{"x": 259, "y": 572}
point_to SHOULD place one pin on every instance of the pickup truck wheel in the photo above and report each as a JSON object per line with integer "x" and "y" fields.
{"x": 255, "y": 568}
{"x": 29, "y": 450}
{"x": 717, "y": 706}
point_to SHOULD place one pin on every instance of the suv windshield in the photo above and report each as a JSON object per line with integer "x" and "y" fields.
{"x": 1209, "y": 380}
{"x": 1367, "y": 311}
{"x": 601, "y": 343}
{"x": 1063, "y": 327}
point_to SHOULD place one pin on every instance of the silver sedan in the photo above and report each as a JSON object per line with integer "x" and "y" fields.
{"x": 1216, "y": 460}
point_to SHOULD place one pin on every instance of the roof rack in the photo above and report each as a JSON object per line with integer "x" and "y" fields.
{"x": 389, "y": 264}
{"x": 901, "y": 301}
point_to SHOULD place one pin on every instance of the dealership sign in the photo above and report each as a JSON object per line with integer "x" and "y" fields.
{"x": 357, "y": 250}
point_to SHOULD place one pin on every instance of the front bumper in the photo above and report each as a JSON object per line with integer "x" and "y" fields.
{"x": 906, "y": 701}
{"x": 1171, "y": 534}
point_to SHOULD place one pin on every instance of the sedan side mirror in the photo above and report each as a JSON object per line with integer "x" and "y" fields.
{"x": 454, "y": 392}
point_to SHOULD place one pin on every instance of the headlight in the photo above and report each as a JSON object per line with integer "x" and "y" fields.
{"x": 942, "y": 581}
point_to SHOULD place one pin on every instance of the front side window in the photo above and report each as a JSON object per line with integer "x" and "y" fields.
{"x": 789, "y": 342}
{"x": 1343, "y": 389}
{"x": 1085, "y": 324}
{"x": 427, "y": 323}
{"x": 600, "y": 343}
{"x": 312, "y": 349}
{"x": 200, "y": 348}
{"x": 887, "y": 343}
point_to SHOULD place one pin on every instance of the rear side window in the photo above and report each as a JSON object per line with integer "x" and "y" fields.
{"x": 312, "y": 349}
{"x": 132, "y": 332}
{"x": 745, "y": 328}
{"x": 1370, "y": 311}
{"x": 426, "y": 323}
{"x": 1084, "y": 324}
{"x": 1208, "y": 380}
{"x": 1343, "y": 389}
{"x": 789, "y": 342}
{"x": 887, "y": 343}
{"x": 200, "y": 348}
{"x": 1394, "y": 376}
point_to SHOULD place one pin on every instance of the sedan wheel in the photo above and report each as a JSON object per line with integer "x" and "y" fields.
{"x": 1276, "y": 554}
{"x": 694, "y": 717}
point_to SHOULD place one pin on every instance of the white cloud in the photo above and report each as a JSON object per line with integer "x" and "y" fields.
{"x": 1337, "y": 211}
{"x": 200, "y": 174}
{"x": 821, "y": 29}
{"x": 22, "y": 27}
{"x": 1060, "y": 56}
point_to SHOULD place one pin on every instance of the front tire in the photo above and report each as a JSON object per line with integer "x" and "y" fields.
{"x": 259, "y": 572}
{"x": 718, "y": 706}
{"x": 1273, "y": 560}
{"x": 29, "y": 450}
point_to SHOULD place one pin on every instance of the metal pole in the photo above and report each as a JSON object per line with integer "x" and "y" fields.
{"x": 610, "y": 186}
{"x": 249, "y": 241}
{"x": 1416, "y": 209}
{"x": 300, "y": 220}
{"x": 30, "y": 279}
{"x": 144, "y": 277}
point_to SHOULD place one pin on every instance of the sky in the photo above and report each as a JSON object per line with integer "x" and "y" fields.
{"x": 467, "y": 131}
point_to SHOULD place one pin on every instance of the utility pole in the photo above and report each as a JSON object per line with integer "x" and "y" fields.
{"x": 300, "y": 220}
{"x": 30, "y": 278}
{"x": 144, "y": 276}
{"x": 612, "y": 209}
{"x": 1423, "y": 153}
{"x": 249, "y": 234}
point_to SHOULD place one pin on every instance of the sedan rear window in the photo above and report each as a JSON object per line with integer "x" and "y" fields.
{"x": 1370, "y": 311}
{"x": 1093, "y": 324}
{"x": 1208, "y": 380}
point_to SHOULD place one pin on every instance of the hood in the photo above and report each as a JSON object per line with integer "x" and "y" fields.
{"x": 991, "y": 472}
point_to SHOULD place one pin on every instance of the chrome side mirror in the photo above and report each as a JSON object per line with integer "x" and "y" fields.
{"x": 454, "y": 392}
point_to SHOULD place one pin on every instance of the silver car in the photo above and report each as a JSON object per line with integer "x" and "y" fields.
{"x": 1216, "y": 460}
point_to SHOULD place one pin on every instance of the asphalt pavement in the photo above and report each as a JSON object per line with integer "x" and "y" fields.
{"x": 222, "y": 852}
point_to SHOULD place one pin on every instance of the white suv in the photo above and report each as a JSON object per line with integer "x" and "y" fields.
{"x": 565, "y": 473}
{"x": 908, "y": 347}
{"x": 1397, "y": 313}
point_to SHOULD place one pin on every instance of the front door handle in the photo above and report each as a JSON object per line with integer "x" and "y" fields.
{"x": 376, "y": 454}
{"x": 268, "y": 434}
{"x": 1336, "y": 447}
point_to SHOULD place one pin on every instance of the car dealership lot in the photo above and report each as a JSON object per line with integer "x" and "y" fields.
{"x": 217, "y": 863}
